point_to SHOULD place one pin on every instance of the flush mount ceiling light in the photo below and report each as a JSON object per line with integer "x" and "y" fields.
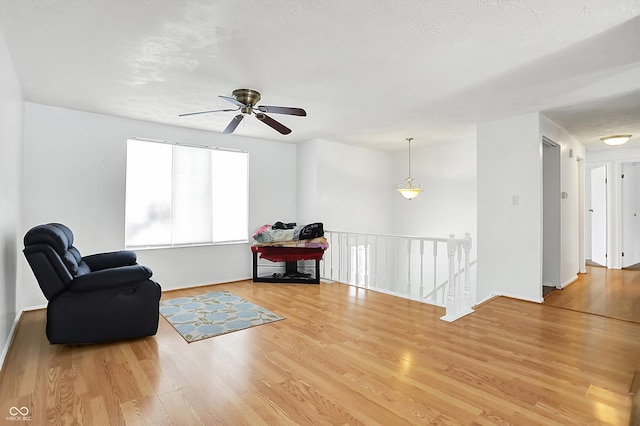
{"x": 409, "y": 190}
{"x": 616, "y": 139}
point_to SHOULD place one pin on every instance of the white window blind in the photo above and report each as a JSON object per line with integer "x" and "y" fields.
{"x": 180, "y": 195}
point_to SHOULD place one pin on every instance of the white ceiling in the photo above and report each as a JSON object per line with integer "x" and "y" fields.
{"x": 368, "y": 72}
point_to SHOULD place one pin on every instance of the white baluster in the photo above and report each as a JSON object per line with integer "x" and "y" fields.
{"x": 326, "y": 260}
{"x": 348, "y": 238}
{"x": 451, "y": 295}
{"x": 366, "y": 261}
{"x": 331, "y": 250}
{"x": 459, "y": 292}
{"x": 386, "y": 264}
{"x": 396, "y": 284}
{"x": 435, "y": 273}
{"x": 455, "y": 310}
{"x": 421, "y": 269}
{"x": 409, "y": 268}
{"x": 376, "y": 271}
{"x": 356, "y": 251}
{"x": 334, "y": 250}
{"x": 340, "y": 238}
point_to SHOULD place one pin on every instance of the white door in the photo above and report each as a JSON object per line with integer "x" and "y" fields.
{"x": 629, "y": 199}
{"x": 598, "y": 212}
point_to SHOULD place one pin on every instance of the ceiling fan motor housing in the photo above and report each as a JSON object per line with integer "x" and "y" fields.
{"x": 248, "y": 97}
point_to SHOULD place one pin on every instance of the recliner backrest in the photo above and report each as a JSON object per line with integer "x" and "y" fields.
{"x": 53, "y": 258}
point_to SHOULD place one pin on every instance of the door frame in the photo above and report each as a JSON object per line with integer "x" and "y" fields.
{"x": 551, "y": 215}
{"x": 606, "y": 261}
{"x": 581, "y": 215}
{"x": 614, "y": 204}
{"x": 618, "y": 208}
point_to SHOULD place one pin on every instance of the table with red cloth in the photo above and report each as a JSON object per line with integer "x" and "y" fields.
{"x": 291, "y": 256}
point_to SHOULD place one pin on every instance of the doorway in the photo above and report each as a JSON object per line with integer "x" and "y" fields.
{"x": 551, "y": 215}
{"x": 598, "y": 216}
{"x": 630, "y": 195}
{"x": 581, "y": 214}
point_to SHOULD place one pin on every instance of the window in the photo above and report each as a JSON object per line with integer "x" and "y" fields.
{"x": 180, "y": 195}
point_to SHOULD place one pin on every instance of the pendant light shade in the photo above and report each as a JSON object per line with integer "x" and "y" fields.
{"x": 409, "y": 190}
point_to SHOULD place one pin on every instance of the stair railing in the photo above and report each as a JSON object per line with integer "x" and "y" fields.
{"x": 405, "y": 266}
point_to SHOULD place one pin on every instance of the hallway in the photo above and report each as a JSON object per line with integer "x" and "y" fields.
{"x": 613, "y": 293}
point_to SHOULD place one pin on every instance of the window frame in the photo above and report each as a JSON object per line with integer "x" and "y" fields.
{"x": 183, "y": 245}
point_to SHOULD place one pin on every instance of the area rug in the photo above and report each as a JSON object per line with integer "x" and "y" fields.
{"x": 212, "y": 314}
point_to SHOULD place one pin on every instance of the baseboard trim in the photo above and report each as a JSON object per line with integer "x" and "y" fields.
{"x": 35, "y": 307}
{"x": 512, "y": 296}
{"x": 9, "y": 341}
{"x": 569, "y": 282}
{"x": 198, "y": 285}
{"x": 487, "y": 299}
{"x": 495, "y": 295}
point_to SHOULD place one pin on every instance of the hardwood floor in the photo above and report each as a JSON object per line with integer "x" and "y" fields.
{"x": 342, "y": 356}
{"x": 614, "y": 293}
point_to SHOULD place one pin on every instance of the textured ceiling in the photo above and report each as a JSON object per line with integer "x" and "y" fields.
{"x": 368, "y": 72}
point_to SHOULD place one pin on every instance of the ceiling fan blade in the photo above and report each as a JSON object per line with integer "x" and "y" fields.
{"x": 233, "y": 124}
{"x": 207, "y": 112}
{"x": 273, "y": 123}
{"x": 283, "y": 110}
{"x": 232, "y": 100}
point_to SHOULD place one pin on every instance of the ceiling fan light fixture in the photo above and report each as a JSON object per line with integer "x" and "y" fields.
{"x": 615, "y": 140}
{"x": 409, "y": 190}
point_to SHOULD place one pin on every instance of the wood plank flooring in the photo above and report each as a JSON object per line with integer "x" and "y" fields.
{"x": 342, "y": 356}
{"x": 614, "y": 293}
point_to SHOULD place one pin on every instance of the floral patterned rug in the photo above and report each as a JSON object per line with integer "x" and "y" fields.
{"x": 212, "y": 314}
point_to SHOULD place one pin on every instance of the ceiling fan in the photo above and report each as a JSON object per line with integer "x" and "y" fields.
{"x": 246, "y": 100}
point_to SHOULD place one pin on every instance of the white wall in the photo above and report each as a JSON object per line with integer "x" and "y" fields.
{"x": 353, "y": 191}
{"x": 618, "y": 154}
{"x": 572, "y": 207}
{"x": 74, "y": 173}
{"x": 11, "y": 123}
{"x": 509, "y": 236}
{"x": 448, "y": 204}
{"x": 307, "y": 185}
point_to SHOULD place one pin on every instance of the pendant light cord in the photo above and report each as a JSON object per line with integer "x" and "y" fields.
{"x": 409, "y": 140}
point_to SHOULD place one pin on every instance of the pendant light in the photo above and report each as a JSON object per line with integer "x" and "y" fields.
{"x": 409, "y": 190}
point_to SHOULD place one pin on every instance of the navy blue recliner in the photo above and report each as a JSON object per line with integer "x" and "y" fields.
{"x": 98, "y": 298}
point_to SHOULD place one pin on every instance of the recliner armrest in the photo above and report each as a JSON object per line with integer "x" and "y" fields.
{"x": 112, "y": 259}
{"x": 108, "y": 278}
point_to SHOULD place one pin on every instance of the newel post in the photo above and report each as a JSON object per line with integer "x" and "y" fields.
{"x": 458, "y": 308}
{"x": 452, "y": 246}
{"x": 466, "y": 245}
